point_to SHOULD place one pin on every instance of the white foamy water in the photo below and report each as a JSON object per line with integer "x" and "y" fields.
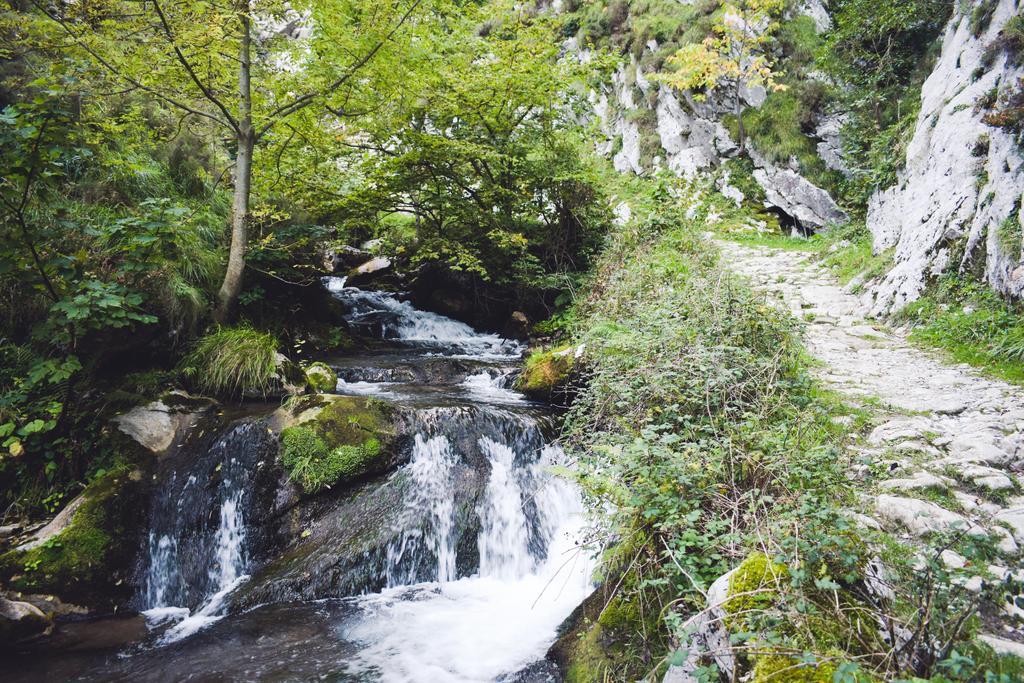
{"x": 489, "y": 388}
{"x": 501, "y": 619}
{"x": 504, "y": 540}
{"x": 430, "y": 492}
{"x": 378, "y": 389}
{"x": 400, "y": 320}
{"x": 474, "y": 629}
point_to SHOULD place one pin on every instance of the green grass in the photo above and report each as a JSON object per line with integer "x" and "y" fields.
{"x": 971, "y": 325}
{"x": 233, "y": 361}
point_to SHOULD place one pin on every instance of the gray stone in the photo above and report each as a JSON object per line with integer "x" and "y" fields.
{"x": 151, "y": 425}
{"x": 919, "y": 480}
{"x": 21, "y": 620}
{"x": 962, "y": 178}
{"x": 920, "y": 516}
{"x": 812, "y": 206}
{"x": 1002, "y": 645}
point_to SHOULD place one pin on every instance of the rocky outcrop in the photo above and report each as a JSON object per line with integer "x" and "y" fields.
{"x": 688, "y": 138}
{"x": 805, "y": 203}
{"x": 86, "y": 552}
{"x": 956, "y": 205}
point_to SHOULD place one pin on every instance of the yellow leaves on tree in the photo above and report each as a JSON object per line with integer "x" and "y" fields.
{"x": 732, "y": 57}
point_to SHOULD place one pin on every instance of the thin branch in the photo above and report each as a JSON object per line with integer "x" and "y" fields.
{"x": 308, "y": 98}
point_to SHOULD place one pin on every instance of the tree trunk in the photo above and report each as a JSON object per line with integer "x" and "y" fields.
{"x": 742, "y": 134}
{"x": 227, "y": 297}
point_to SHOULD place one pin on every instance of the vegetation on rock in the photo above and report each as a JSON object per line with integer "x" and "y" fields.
{"x": 233, "y": 361}
{"x": 346, "y": 439}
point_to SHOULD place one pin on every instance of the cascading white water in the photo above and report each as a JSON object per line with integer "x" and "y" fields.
{"x": 400, "y": 320}
{"x": 227, "y": 558}
{"x": 499, "y": 620}
{"x": 430, "y": 472}
{"x": 504, "y": 540}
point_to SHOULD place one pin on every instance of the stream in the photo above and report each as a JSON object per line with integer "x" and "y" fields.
{"x": 459, "y": 566}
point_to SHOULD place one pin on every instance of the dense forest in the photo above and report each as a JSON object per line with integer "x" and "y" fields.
{"x": 481, "y": 340}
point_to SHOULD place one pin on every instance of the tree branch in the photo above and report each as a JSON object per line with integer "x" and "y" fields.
{"x": 207, "y": 93}
{"x": 308, "y": 98}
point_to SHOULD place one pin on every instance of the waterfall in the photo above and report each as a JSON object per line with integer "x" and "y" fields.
{"x": 504, "y": 539}
{"x": 429, "y": 498}
{"x": 193, "y": 563}
{"x": 457, "y": 567}
{"x": 381, "y": 314}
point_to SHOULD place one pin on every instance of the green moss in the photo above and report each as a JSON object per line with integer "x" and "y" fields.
{"x": 756, "y": 573}
{"x": 349, "y": 438}
{"x": 546, "y": 372}
{"x": 321, "y": 377}
{"x": 88, "y": 557}
{"x": 785, "y": 669}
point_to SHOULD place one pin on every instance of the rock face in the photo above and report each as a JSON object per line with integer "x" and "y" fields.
{"x": 785, "y": 189}
{"x": 691, "y": 139}
{"x": 955, "y": 204}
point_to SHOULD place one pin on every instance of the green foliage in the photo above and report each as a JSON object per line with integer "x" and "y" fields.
{"x": 315, "y": 466}
{"x": 880, "y": 55}
{"x": 496, "y": 193}
{"x": 697, "y": 419}
{"x": 232, "y": 361}
{"x": 972, "y": 324}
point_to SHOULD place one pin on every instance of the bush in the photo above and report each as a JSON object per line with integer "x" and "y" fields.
{"x": 233, "y": 361}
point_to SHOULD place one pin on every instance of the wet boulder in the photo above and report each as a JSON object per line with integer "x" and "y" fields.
{"x": 373, "y": 270}
{"x": 346, "y": 545}
{"x": 338, "y": 440}
{"x": 85, "y": 554}
{"x": 21, "y": 620}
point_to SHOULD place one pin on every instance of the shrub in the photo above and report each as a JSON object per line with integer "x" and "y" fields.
{"x": 233, "y": 361}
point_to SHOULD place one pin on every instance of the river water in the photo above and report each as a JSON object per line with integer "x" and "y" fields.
{"x": 480, "y": 558}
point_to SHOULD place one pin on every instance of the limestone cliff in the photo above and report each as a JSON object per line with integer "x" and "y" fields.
{"x": 957, "y": 203}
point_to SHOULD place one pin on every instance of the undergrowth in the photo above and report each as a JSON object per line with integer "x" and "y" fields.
{"x": 971, "y": 323}
{"x": 700, "y": 427}
{"x": 232, "y": 361}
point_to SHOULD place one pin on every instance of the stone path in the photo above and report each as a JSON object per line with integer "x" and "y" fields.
{"x": 947, "y": 433}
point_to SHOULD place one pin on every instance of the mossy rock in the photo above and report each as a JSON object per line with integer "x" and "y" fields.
{"x": 343, "y": 441}
{"x": 598, "y": 643}
{"x": 547, "y": 373}
{"x": 321, "y": 377}
{"x": 755, "y": 584}
{"x": 89, "y": 561}
{"x": 786, "y": 669}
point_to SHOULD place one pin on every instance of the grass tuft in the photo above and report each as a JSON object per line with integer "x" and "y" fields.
{"x": 233, "y": 361}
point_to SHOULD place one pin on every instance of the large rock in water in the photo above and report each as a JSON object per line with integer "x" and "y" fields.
{"x": 960, "y": 192}
{"x": 21, "y": 620}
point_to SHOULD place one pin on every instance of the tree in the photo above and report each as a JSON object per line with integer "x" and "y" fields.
{"x": 244, "y": 66}
{"x": 731, "y": 58}
{"x": 474, "y": 168}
